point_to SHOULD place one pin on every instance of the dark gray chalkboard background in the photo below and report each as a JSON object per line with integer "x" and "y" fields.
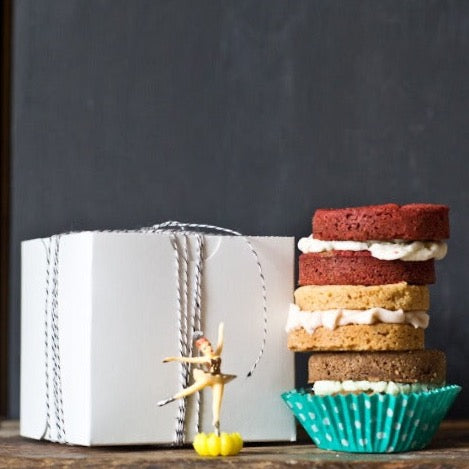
{"x": 246, "y": 114}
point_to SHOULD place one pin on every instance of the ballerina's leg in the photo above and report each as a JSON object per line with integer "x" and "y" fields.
{"x": 197, "y": 386}
{"x": 217, "y": 390}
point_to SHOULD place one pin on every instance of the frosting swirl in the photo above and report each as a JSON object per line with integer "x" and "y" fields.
{"x": 324, "y": 388}
{"x": 311, "y": 320}
{"x": 384, "y": 250}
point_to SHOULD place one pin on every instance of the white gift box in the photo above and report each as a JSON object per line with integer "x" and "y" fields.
{"x": 117, "y": 319}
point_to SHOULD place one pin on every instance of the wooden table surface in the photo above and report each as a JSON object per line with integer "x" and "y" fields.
{"x": 449, "y": 449}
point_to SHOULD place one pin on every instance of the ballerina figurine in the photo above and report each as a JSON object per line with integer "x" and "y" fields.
{"x": 208, "y": 375}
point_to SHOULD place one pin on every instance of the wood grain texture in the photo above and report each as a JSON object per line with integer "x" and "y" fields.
{"x": 450, "y": 449}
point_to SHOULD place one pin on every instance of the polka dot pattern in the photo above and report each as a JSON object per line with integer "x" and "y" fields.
{"x": 371, "y": 423}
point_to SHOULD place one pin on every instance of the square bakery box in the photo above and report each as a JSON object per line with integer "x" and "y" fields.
{"x": 116, "y": 319}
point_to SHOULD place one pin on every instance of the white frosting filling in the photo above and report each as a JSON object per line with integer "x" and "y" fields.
{"x": 311, "y": 320}
{"x": 384, "y": 250}
{"x": 324, "y": 388}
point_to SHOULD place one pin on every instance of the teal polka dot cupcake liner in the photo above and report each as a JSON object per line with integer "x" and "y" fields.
{"x": 376, "y": 423}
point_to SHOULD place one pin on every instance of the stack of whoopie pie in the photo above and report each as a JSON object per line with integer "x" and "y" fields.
{"x": 363, "y": 301}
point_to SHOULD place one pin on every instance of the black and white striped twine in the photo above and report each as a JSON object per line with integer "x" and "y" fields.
{"x": 189, "y": 315}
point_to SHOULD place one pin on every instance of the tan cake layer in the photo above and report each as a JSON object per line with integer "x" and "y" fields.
{"x": 393, "y": 296}
{"x": 419, "y": 366}
{"x": 376, "y": 337}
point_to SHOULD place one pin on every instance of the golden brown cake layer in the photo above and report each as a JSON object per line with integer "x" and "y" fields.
{"x": 377, "y": 337}
{"x": 392, "y": 296}
{"x": 419, "y": 366}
